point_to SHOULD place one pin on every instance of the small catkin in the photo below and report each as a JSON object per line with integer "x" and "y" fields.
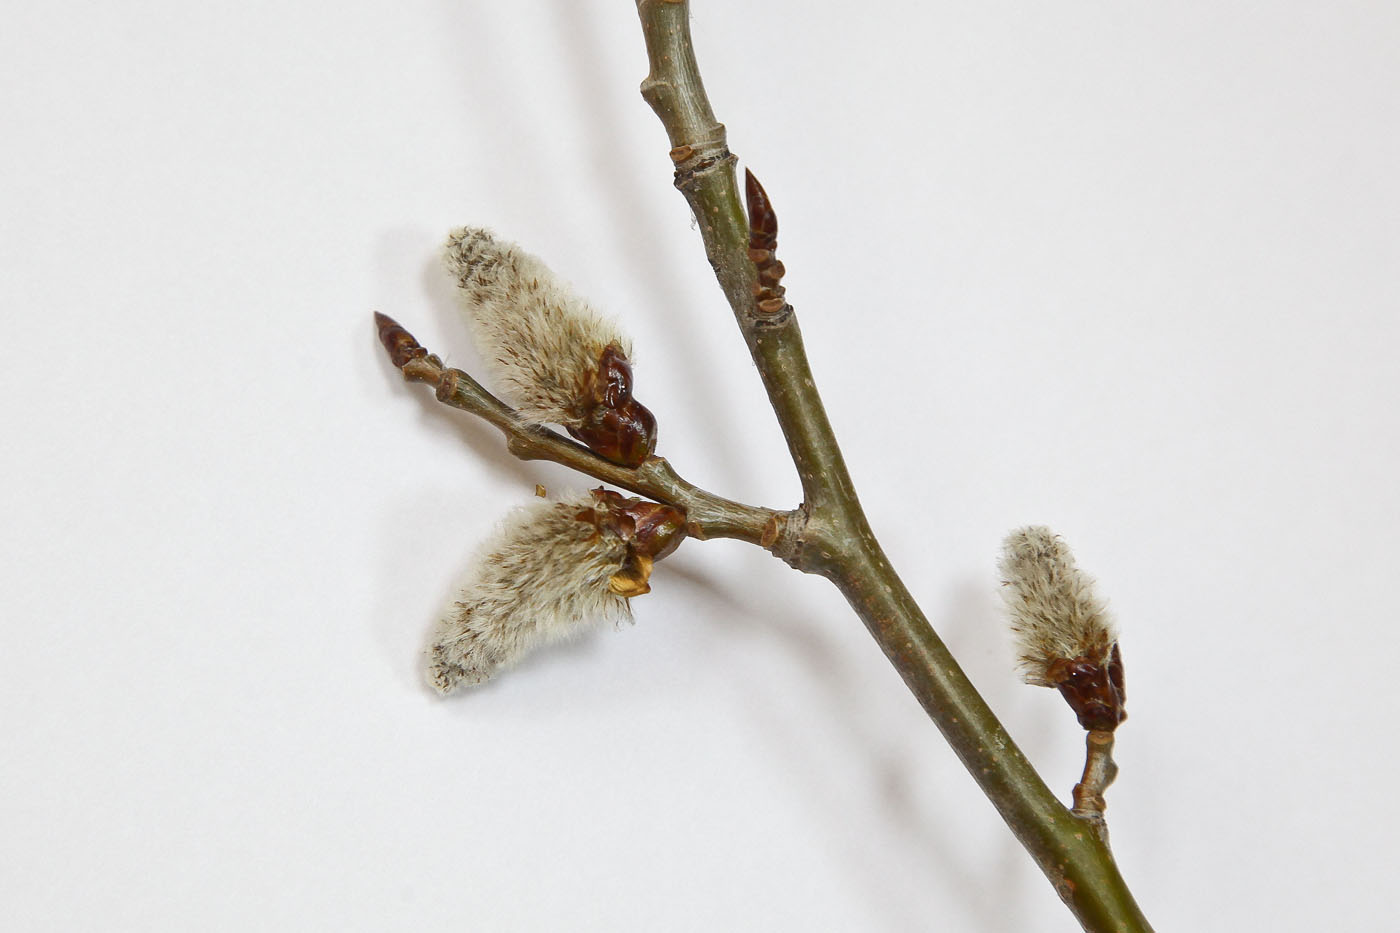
{"x": 542, "y": 577}
{"x": 1054, "y": 611}
{"x": 544, "y": 341}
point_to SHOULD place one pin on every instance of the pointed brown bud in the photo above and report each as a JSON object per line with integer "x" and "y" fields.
{"x": 763, "y": 240}
{"x": 400, "y": 343}
{"x": 763, "y": 223}
{"x": 418, "y": 364}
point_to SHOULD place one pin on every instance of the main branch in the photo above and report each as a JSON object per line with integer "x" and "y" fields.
{"x": 836, "y": 540}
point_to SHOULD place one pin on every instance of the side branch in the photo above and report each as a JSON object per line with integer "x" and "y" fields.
{"x": 1099, "y": 772}
{"x": 707, "y": 515}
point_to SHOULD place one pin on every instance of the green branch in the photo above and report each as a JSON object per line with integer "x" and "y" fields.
{"x": 835, "y": 540}
{"x": 707, "y": 515}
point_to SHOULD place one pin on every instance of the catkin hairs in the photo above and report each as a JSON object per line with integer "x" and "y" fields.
{"x": 1054, "y": 610}
{"x": 541, "y": 577}
{"x": 549, "y": 571}
{"x": 558, "y": 360}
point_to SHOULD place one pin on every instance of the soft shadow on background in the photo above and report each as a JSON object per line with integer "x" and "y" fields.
{"x": 1127, "y": 272}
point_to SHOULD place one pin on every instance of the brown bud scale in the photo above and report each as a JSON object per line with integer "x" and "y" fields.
{"x": 402, "y": 345}
{"x": 763, "y": 222}
{"x": 763, "y": 240}
{"x": 1093, "y": 689}
{"x": 611, "y": 423}
{"x": 650, "y": 530}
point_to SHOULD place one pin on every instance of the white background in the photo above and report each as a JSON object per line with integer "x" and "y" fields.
{"x": 1126, "y": 269}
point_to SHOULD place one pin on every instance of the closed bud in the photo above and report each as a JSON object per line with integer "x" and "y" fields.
{"x": 558, "y": 360}
{"x": 551, "y": 570}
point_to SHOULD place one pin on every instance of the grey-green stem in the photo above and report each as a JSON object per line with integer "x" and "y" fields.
{"x": 707, "y": 515}
{"x": 835, "y": 539}
{"x": 1099, "y": 772}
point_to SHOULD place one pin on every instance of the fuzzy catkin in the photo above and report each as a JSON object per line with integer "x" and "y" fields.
{"x": 543, "y": 340}
{"x": 1055, "y": 613}
{"x": 542, "y": 577}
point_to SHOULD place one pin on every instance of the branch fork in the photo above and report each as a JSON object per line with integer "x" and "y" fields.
{"x": 707, "y": 515}
{"x": 828, "y": 533}
{"x": 835, "y": 539}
